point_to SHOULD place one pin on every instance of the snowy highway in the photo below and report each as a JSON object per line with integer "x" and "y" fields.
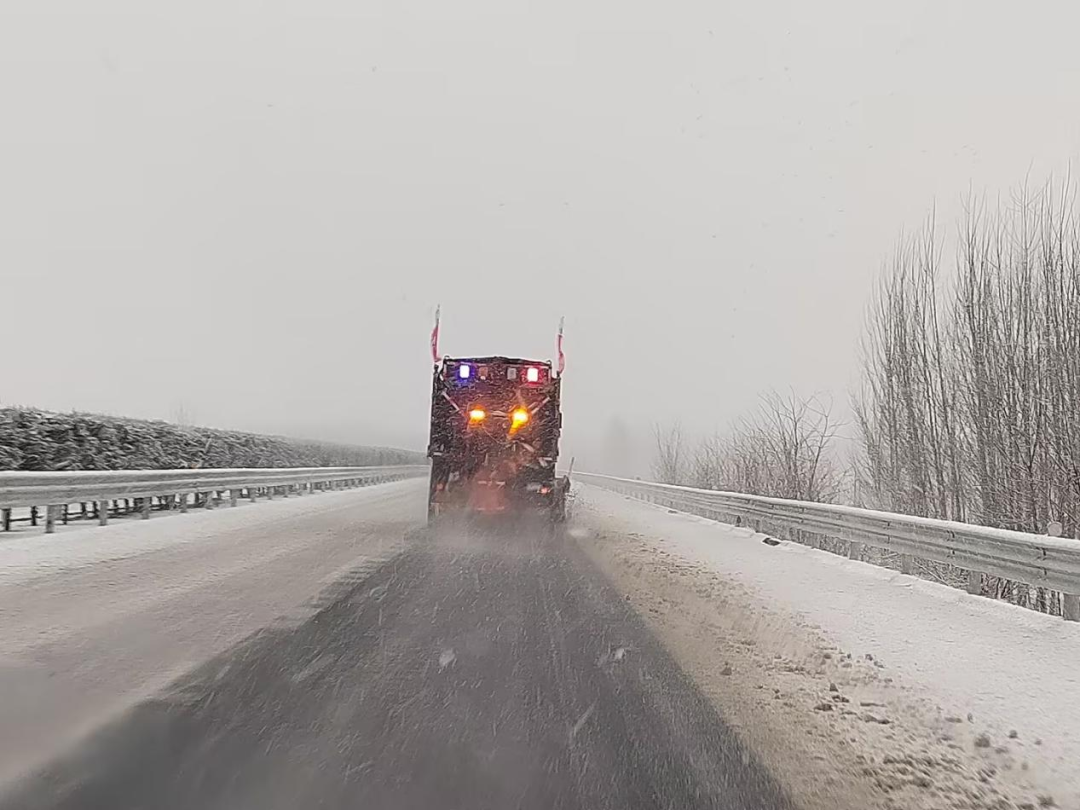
{"x": 321, "y": 651}
{"x": 323, "y": 656}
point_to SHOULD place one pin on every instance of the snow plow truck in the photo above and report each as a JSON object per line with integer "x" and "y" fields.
{"x": 494, "y": 441}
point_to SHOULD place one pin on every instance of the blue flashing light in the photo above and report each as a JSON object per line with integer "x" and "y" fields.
{"x": 464, "y": 371}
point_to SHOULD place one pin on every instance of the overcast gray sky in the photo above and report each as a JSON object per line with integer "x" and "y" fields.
{"x": 250, "y": 209}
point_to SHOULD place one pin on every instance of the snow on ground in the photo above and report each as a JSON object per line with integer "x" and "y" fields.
{"x": 984, "y": 690}
{"x": 31, "y": 555}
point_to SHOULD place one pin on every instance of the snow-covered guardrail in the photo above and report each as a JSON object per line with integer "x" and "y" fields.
{"x": 1037, "y": 560}
{"x": 174, "y": 488}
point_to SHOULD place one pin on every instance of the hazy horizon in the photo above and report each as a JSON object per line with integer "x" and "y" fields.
{"x": 249, "y": 213}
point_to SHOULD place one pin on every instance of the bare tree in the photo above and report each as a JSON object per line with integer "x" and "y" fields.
{"x": 970, "y": 404}
{"x": 906, "y": 411}
{"x": 794, "y": 436}
{"x": 669, "y": 464}
{"x": 783, "y": 449}
{"x": 709, "y": 463}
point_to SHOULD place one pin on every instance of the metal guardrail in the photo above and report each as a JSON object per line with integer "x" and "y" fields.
{"x": 174, "y": 488}
{"x": 1037, "y": 560}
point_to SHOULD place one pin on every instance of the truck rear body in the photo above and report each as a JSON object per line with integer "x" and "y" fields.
{"x": 494, "y": 442}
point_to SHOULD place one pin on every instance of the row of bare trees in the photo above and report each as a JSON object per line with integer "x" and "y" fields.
{"x": 970, "y": 407}
{"x": 782, "y": 449}
{"x": 970, "y": 402}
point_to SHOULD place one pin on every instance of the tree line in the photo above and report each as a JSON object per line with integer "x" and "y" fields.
{"x": 969, "y": 403}
{"x": 783, "y": 449}
{"x": 32, "y": 439}
{"x": 970, "y": 407}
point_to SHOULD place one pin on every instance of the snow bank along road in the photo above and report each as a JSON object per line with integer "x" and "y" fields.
{"x": 860, "y": 686}
{"x": 319, "y": 652}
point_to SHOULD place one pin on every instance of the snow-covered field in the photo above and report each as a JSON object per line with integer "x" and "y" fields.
{"x": 918, "y": 695}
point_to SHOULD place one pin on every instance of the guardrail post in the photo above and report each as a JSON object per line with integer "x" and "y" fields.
{"x": 1070, "y": 607}
{"x": 147, "y": 504}
{"x": 103, "y": 513}
{"x": 183, "y": 496}
{"x": 232, "y": 496}
{"x": 5, "y": 520}
{"x": 270, "y": 493}
{"x": 50, "y": 519}
{"x": 854, "y": 550}
{"x": 974, "y": 582}
{"x": 33, "y": 515}
{"x": 208, "y": 500}
{"x": 253, "y": 493}
{"x": 907, "y": 564}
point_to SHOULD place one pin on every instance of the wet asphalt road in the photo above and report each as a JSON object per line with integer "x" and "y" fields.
{"x": 490, "y": 673}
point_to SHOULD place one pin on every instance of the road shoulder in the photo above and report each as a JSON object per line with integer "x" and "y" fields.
{"x": 838, "y": 728}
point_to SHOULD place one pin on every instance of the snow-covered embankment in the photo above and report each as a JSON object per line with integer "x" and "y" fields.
{"x": 859, "y": 686}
